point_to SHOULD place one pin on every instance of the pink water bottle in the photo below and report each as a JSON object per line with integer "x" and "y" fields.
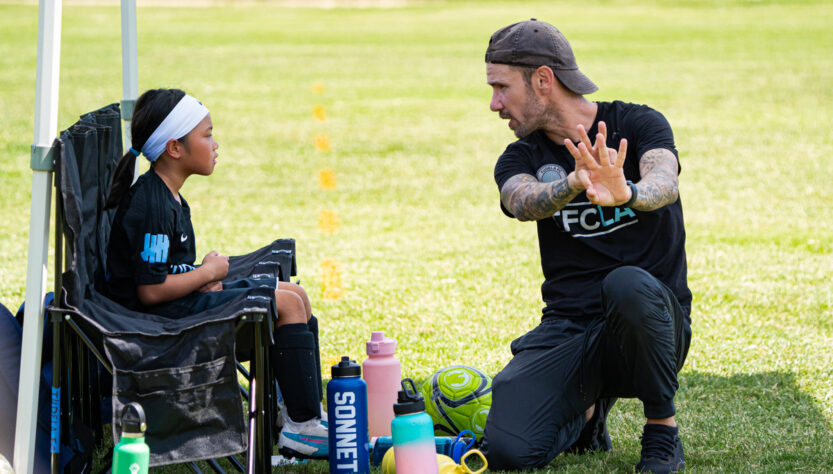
{"x": 383, "y": 374}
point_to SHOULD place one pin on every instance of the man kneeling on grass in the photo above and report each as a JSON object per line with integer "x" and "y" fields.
{"x": 612, "y": 243}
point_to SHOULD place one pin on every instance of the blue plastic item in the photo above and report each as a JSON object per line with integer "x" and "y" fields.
{"x": 347, "y": 417}
{"x": 379, "y": 446}
{"x": 460, "y": 447}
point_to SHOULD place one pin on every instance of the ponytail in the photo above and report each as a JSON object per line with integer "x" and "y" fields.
{"x": 151, "y": 109}
{"x": 122, "y": 180}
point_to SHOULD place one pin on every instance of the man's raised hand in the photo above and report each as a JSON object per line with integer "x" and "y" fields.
{"x": 604, "y": 180}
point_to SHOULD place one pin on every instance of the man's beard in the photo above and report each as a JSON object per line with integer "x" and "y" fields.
{"x": 536, "y": 113}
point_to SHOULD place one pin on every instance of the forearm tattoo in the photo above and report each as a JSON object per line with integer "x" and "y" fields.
{"x": 529, "y": 199}
{"x": 658, "y": 186}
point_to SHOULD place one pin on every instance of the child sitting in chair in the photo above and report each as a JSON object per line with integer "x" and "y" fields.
{"x": 152, "y": 251}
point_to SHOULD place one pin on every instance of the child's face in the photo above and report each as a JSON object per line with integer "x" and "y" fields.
{"x": 201, "y": 149}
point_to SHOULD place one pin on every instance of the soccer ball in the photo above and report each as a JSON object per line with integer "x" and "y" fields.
{"x": 458, "y": 398}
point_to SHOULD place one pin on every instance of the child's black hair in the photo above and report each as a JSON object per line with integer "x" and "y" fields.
{"x": 151, "y": 109}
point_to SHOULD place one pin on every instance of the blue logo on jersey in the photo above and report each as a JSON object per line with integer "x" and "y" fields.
{"x": 156, "y": 248}
{"x": 583, "y": 219}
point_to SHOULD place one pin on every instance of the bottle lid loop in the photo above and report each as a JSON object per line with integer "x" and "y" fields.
{"x": 409, "y": 400}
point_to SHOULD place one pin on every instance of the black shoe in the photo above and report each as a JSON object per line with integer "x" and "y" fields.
{"x": 662, "y": 450}
{"x": 594, "y": 435}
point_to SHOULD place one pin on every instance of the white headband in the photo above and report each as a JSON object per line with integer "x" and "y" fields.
{"x": 187, "y": 114}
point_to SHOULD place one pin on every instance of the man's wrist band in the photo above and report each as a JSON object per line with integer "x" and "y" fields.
{"x": 633, "y": 194}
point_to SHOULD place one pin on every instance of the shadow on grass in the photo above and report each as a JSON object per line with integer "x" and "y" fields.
{"x": 761, "y": 422}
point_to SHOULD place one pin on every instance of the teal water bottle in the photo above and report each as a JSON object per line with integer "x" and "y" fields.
{"x": 132, "y": 455}
{"x": 413, "y": 433}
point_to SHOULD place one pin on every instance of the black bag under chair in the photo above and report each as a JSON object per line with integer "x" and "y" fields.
{"x": 182, "y": 371}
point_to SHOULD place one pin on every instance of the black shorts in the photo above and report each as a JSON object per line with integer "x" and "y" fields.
{"x": 197, "y": 302}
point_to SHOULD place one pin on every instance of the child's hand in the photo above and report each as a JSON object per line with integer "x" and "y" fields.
{"x": 218, "y": 263}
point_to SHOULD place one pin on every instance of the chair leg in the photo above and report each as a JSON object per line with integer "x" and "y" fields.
{"x": 236, "y": 463}
{"x": 215, "y": 466}
{"x": 251, "y": 455}
{"x": 259, "y": 456}
{"x": 84, "y": 385}
{"x": 98, "y": 429}
{"x": 263, "y": 455}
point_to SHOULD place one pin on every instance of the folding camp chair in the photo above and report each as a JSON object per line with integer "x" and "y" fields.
{"x": 182, "y": 371}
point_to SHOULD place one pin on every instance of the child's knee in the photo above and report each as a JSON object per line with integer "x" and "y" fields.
{"x": 297, "y": 289}
{"x": 290, "y": 306}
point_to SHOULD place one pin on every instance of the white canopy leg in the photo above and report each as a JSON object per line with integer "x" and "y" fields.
{"x": 129, "y": 70}
{"x": 46, "y": 125}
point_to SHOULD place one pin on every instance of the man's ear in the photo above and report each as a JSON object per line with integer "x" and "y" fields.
{"x": 174, "y": 148}
{"x": 543, "y": 80}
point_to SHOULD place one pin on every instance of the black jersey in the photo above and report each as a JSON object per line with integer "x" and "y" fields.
{"x": 583, "y": 242}
{"x": 151, "y": 237}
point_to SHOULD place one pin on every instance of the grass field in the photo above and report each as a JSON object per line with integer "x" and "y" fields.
{"x": 424, "y": 252}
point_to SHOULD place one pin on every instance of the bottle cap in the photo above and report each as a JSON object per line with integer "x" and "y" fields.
{"x": 408, "y": 399}
{"x": 133, "y": 419}
{"x": 346, "y": 368}
{"x": 380, "y": 345}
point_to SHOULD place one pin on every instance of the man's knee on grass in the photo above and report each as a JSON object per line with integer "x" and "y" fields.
{"x": 509, "y": 451}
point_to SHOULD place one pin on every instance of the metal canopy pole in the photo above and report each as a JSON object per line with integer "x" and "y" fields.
{"x": 46, "y": 126}
{"x": 129, "y": 70}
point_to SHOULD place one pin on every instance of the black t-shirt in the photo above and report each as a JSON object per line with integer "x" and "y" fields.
{"x": 583, "y": 242}
{"x": 151, "y": 237}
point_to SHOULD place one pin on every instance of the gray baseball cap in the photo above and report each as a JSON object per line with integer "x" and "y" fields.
{"x": 536, "y": 43}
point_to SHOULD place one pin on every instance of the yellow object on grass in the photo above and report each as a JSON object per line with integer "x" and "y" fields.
{"x": 445, "y": 464}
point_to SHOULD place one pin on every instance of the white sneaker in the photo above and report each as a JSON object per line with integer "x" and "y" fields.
{"x": 283, "y": 415}
{"x": 324, "y": 417}
{"x": 307, "y": 439}
{"x": 278, "y": 460}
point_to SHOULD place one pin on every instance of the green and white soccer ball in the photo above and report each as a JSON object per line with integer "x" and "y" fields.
{"x": 458, "y": 398}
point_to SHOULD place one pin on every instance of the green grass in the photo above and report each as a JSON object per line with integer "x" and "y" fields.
{"x": 425, "y": 253}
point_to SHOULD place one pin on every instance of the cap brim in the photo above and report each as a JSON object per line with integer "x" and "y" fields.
{"x": 574, "y": 80}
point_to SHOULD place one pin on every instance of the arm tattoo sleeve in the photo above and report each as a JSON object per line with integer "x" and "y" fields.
{"x": 529, "y": 199}
{"x": 658, "y": 186}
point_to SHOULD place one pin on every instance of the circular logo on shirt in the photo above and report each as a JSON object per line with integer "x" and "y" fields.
{"x": 550, "y": 172}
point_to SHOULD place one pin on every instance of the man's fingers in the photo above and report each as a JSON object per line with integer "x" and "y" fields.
{"x": 584, "y": 138}
{"x": 611, "y": 156}
{"x": 602, "y": 146}
{"x": 623, "y": 151}
{"x": 588, "y": 159}
{"x": 603, "y": 130}
{"x": 572, "y": 149}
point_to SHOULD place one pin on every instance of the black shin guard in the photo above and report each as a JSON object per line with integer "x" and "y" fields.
{"x": 313, "y": 328}
{"x": 293, "y": 363}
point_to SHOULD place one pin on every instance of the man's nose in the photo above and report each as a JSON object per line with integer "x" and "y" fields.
{"x": 495, "y": 105}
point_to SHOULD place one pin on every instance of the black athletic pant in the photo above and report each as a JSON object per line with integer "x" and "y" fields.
{"x": 561, "y": 368}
